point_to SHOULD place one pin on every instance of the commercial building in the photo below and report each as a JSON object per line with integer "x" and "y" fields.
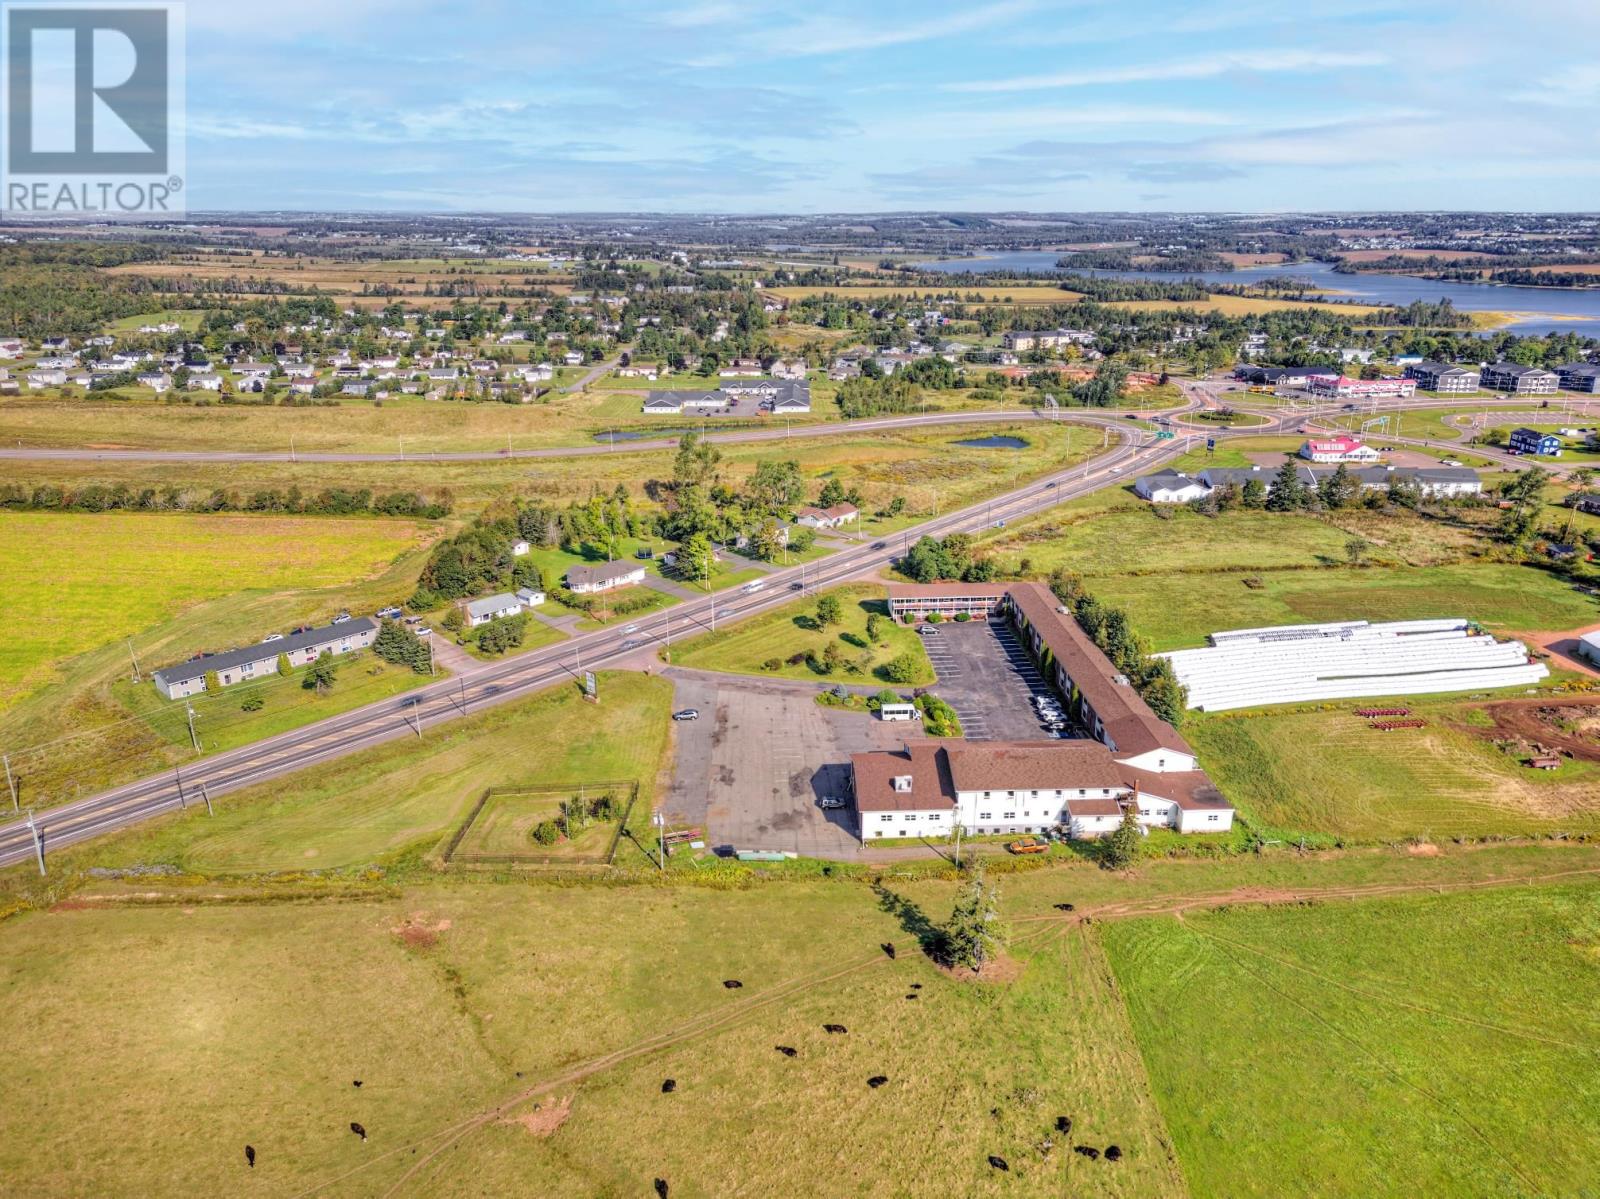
{"x": 918, "y": 601}
{"x": 1436, "y": 482}
{"x": 1343, "y": 388}
{"x": 1338, "y": 449}
{"x": 257, "y": 661}
{"x": 1443, "y": 377}
{"x": 1513, "y": 379}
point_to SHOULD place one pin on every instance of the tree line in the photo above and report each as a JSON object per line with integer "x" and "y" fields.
{"x": 119, "y": 497}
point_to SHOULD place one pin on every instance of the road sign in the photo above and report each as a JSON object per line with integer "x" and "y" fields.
{"x": 589, "y": 683}
{"x": 1165, "y": 435}
{"x": 1211, "y": 444}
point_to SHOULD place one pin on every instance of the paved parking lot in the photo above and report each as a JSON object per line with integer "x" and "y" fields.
{"x": 988, "y": 678}
{"x": 751, "y": 770}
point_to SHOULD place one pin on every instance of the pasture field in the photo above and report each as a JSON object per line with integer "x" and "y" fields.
{"x": 1325, "y": 772}
{"x": 1244, "y": 306}
{"x": 175, "y": 584}
{"x": 1423, "y": 1045}
{"x": 793, "y": 629}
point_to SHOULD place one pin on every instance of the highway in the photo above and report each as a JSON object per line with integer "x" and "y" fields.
{"x": 766, "y": 432}
{"x": 414, "y": 714}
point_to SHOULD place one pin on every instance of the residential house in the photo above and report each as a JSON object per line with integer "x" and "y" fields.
{"x": 530, "y": 597}
{"x": 55, "y": 377}
{"x": 493, "y": 607}
{"x": 741, "y": 368}
{"x": 1170, "y": 487}
{"x": 1532, "y": 441}
{"x": 827, "y": 518}
{"x": 156, "y": 382}
{"x": 258, "y": 661}
{"x": 585, "y": 580}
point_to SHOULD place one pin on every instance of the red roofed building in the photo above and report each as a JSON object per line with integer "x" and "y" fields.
{"x": 1338, "y": 449}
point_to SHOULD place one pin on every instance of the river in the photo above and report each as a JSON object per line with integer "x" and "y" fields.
{"x": 1533, "y": 309}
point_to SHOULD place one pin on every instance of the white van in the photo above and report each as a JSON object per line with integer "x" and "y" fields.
{"x": 899, "y": 712}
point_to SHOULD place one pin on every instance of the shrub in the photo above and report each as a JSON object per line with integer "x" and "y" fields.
{"x": 772, "y": 664}
{"x": 253, "y": 703}
{"x": 546, "y": 832}
{"x": 903, "y": 668}
{"x": 963, "y": 617}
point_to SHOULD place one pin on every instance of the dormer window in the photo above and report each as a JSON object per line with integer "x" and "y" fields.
{"x": 902, "y": 782}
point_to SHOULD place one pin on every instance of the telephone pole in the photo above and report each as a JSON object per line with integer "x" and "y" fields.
{"x": 11, "y": 783}
{"x": 38, "y": 842}
{"x": 135, "y": 657}
{"x": 206, "y": 795}
{"x": 659, "y": 819}
{"x": 193, "y": 736}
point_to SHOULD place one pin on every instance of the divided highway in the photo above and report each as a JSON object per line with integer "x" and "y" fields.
{"x": 413, "y": 714}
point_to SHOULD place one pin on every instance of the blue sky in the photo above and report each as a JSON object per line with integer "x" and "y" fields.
{"x": 829, "y": 106}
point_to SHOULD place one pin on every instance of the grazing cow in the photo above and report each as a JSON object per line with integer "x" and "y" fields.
{"x": 999, "y": 1163}
{"x": 356, "y": 1083}
{"x": 1063, "y": 907}
{"x": 888, "y": 948}
{"x": 669, "y": 1086}
{"x": 786, "y": 1050}
{"x": 250, "y": 1155}
{"x": 911, "y": 995}
{"x": 358, "y": 1130}
{"x": 1113, "y": 1153}
{"x": 732, "y": 984}
{"x": 1063, "y": 1123}
{"x": 916, "y": 986}
{"x": 834, "y": 1028}
{"x": 1088, "y": 1151}
{"x": 877, "y": 1080}
{"x": 661, "y": 1187}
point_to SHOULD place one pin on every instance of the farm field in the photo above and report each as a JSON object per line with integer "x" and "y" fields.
{"x": 100, "y": 578}
{"x": 1433, "y": 1040}
{"x": 1327, "y": 773}
{"x": 1243, "y": 306}
{"x": 175, "y": 584}
{"x": 792, "y": 630}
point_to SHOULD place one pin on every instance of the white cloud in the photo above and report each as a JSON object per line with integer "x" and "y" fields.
{"x": 835, "y": 34}
{"x": 1206, "y": 67}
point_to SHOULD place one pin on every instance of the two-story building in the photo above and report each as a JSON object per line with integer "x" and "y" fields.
{"x": 1514, "y": 379}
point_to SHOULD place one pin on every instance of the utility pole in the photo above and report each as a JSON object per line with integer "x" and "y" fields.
{"x": 135, "y": 657}
{"x": 463, "y": 681}
{"x": 38, "y": 842}
{"x": 206, "y": 795}
{"x": 416, "y": 721}
{"x": 183, "y": 800}
{"x": 659, "y": 819}
{"x": 11, "y": 783}
{"x": 193, "y": 736}
{"x": 430, "y": 656}
{"x": 291, "y": 448}
{"x": 958, "y": 840}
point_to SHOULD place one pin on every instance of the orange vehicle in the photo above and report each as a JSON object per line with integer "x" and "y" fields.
{"x": 1029, "y": 845}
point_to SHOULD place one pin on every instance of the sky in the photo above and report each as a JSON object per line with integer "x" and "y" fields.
{"x": 867, "y": 106}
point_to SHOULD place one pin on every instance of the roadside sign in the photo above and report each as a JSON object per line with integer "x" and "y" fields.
{"x": 1165, "y": 435}
{"x": 1211, "y": 444}
{"x": 589, "y": 683}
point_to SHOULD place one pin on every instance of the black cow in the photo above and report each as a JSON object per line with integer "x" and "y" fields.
{"x": 786, "y": 1050}
{"x": 661, "y": 1187}
{"x": 732, "y": 984}
{"x": 999, "y": 1163}
{"x": 888, "y": 948}
{"x": 834, "y": 1028}
{"x": 250, "y": 1155}
{"x": 669, "y": 1086}
{"x": 877, "y": 1080}
{"x": 358, "y": 1130}
{"x": 356, "y": 1083}
{"x": 1088, "y": 1151}
{"x": 1113, "y": 1153}
{"x": 1063, "y": 907}
{"x": 1063, "y": 1123}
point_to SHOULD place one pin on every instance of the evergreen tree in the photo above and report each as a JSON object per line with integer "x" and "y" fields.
{"x": 1121, "y": 849}
{"x": 975, "y": 935}
{"x": 1288, "y": 492}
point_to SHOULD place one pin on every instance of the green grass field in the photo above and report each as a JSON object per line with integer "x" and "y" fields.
{"x": 792, "y": 629}
{"x": 374, "y": 805}
{"x": 1423, "y": 1046}
{"x": 1327, "y": 773}
{"x": 80, "y": 582}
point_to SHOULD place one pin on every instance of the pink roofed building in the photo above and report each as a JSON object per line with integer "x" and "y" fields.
{"x": 1338, "y": 449}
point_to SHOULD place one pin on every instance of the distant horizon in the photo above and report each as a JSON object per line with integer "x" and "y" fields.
{"x": 782, "y": 107}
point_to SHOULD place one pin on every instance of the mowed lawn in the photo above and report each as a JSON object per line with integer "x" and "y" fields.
{"x": 79, "y": 582}
{"x": 221, "y": 1025}
{"x": 407, "y": 797}
{"x": 1415, "y": 1046}
{"x": 1326, "y": 772}
{"x": 778, "y": 635}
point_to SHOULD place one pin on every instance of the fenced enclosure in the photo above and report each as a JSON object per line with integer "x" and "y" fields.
{"x": 572, "y": 824}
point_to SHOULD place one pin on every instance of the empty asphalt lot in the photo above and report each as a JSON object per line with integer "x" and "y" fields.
{"x": 751, "y": 770}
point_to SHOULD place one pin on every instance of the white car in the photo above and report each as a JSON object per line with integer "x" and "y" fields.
{"x": 633, "y": 628}
{"x": 272, "y": 637}
{"x": 423, "y": 631}
{"x": 341, "y": 618}
{"x": 830, "y": 802}
{"x": 750, "y": 588}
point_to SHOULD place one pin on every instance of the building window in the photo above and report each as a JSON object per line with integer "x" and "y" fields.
{"x": 985, "y": 815}
{"x": 1008, "y": 816}
{"x": 910, "y": 817}
{"x": 1213, "y": 818}
{"x": 886, "y": 819}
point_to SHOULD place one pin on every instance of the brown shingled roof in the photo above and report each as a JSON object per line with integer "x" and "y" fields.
{"x": 924, "y": 761}
{"x": 1191, "y": 790}
{"x": 1032, "y": 765}
{"x": 1128, "y": 720}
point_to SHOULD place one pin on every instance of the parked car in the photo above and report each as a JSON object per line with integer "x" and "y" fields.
{"x": 830, "y": 802}
{"x": 644, "y": 551}
{"x": 927, "y": 630}
{"x": 687, "y": 714}
{"x": 341, "y": 618}
{"x": 423, "y": 631}
{"x": 272, "y": 637}
{"x": 1028, "y": 845}
{"x": 389, "y": 613}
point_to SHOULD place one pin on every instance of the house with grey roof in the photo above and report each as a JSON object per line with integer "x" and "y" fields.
{"x": 585, "y": 580}
{"x": 1580, "y": 376}
{"x": 491, "y": 607}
